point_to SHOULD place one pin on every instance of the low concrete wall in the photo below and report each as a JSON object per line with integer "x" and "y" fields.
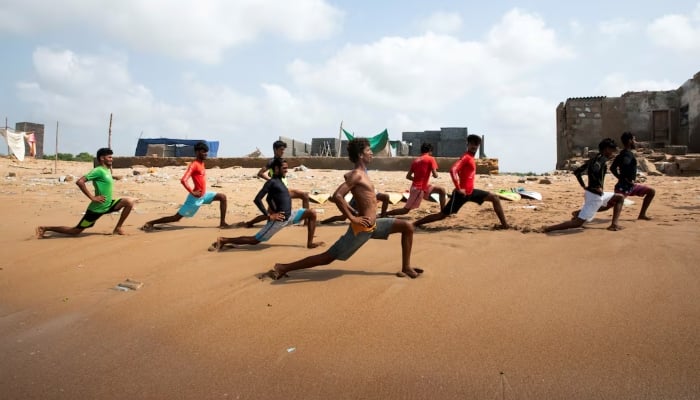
{"x": 484, "y": 166}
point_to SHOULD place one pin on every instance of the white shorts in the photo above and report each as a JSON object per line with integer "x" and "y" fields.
{"x": 591, "y": 203}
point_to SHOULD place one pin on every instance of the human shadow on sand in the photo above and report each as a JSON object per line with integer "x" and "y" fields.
{"x": 320, "y": 275}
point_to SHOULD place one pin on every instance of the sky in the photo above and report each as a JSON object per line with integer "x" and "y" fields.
{"x": 244, "y": 72}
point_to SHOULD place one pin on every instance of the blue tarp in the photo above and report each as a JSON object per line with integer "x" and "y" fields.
{"x": 176, "y": 147}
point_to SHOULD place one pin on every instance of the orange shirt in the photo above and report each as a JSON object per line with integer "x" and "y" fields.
{"x": 463, "y": 173}
{"x": 196, "y": 171}
{"x": 422, "y": 167}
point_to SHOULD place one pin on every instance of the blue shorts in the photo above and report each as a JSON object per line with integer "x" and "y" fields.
{"x": 349, "y": 243}
{"x": 192, "y": 204}
{"x": 272, "y": 227}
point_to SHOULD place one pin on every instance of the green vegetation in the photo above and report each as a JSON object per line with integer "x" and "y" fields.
{"x": 87, "y": 157}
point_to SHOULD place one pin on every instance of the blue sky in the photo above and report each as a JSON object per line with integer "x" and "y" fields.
{"x": 245, "y": 72}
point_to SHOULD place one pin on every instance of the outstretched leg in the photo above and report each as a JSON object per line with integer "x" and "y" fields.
{"x": 65, "y": 230}
{"x": 429, "y": 218}
{"x": 252, "y": 222}
{"x": 337, "y": 218}
{"x": 280, "y": 270}
{"x": 148, "y": 226}
{"x": 398, "y": 211}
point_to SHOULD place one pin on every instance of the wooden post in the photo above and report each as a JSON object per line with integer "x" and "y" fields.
{"x": 55, "y": 161}
{"x": 109, "y": 139}
{"x": 340, "y": 139}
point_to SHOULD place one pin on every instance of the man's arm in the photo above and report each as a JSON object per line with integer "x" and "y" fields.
{"x": 82, "y": 184}
{"x": 409, "y": 175}
{"x": 454, "y": 174}
{"x": 264, "y": 173}
{"x": 261, "y": 194}
{"x": 185, "y": 180}
{"x": 615, "y": 167}
{"x": 578, "y": 172}
{"x": 351, "y": 180}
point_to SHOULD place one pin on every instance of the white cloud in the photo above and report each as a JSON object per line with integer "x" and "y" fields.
{"x": 442, "y": 22}
{"x": 519, "y": 132}
{"x": 522, "y": 39}
{"x": 677, "y": 32}
{"x": 617, "y": 27}
{"x": 200, "y": 30}
{"x": 616, "y": 84}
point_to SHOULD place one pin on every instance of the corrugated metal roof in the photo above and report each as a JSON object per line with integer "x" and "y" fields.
{"x": 587, "y": 98}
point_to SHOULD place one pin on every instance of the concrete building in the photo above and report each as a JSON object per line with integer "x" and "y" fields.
{"x": 667, "y": 120}
{"x": 447, "y": 142}
{"x": 38, "y": 135}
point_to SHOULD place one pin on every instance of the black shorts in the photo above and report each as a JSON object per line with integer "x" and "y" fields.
{"x": 458, "y": 200}
{"x": 91, "y": 217}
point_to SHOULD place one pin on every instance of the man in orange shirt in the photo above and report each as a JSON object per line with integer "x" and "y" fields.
{"x": 421, "y": 169}
{"x": 198, "y": 194}
{"x": 463, "y": 173}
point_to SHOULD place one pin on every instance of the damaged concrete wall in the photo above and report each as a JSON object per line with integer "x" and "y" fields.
{"x": 666, "y": 119}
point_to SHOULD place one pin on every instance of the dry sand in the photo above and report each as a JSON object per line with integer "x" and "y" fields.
{"x": 583, "y": 314}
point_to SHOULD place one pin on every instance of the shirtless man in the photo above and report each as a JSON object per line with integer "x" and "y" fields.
{"x": 101, "y": 202}
{"x": 463, "y": 173}
{"x": 197, "y": 194}
{"x": 363, "y": 226}
{"x": 279, "y": 204}
{"x": 267, "y": 173}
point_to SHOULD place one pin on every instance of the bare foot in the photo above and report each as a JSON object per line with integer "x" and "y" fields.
{"x": 501, "y": 227}
{"x": 225, "y": 226}
{"x": 644, "y": 217}
{"x": 272, "y": 274}
{"x": 118, "y": 231}
{"x": 147, "y": 228}
{"x": 412, "y": 273}
{"x": 216, "y": 246}
{"x": 40, "y": 232}
{"x": 315, "y": 244}
{"x": 614, "y": 228}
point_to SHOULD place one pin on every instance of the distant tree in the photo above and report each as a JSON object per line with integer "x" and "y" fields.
{"x": 61, "y": 156}
{"x": 84, "y": 156}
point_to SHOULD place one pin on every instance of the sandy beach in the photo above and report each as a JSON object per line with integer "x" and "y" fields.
{"x": 514, "y": 314}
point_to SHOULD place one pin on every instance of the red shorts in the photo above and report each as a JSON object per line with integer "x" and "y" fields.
{"x": 416, "y": 196}
{"x": 636, "y": 190}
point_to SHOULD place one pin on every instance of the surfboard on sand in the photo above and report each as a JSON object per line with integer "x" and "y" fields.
{"x": 434, "y": 197}
{"x": 394, "y": 197}
{"x": 319, "y": 198}
{"x": 528, "y": 194}
{"x": 508, "y": 195}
